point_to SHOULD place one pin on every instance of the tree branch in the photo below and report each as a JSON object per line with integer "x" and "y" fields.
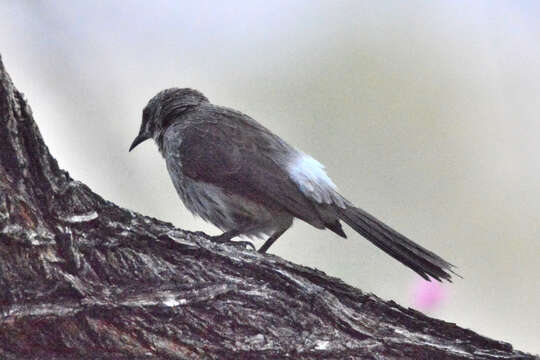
{"x": 83, "y": 278}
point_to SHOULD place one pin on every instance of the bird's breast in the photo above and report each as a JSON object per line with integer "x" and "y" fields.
{"x": 222, "y": 208}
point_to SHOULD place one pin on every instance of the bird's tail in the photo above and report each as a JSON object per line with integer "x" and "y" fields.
{"x": 424, "y": 262}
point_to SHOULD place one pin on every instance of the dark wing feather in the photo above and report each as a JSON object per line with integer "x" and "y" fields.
{"x": 228, "y": 149}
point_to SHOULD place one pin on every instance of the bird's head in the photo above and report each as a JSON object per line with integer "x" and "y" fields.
{"x": 163, "y": 108}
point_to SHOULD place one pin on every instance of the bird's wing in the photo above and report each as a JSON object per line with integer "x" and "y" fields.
{"x": 232, "y": 151}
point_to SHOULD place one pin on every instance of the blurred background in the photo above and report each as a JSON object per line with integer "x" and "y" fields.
{"x": 425, "y": 113}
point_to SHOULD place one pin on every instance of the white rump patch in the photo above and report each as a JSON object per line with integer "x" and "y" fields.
{"x": 312, "y": 180}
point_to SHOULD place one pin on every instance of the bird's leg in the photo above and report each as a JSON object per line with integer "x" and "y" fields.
{"x": 227, "y": 237}
{"x": 271, "y": 240}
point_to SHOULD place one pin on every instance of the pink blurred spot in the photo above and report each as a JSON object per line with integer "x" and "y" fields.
{"x": 428, "y": 295}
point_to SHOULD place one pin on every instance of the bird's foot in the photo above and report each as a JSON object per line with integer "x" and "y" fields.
{"x": 244, "y": 245}
{"x": 226, "y": 238}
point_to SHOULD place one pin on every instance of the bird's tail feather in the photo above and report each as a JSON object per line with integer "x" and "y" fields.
{"x": 422, "y": 261}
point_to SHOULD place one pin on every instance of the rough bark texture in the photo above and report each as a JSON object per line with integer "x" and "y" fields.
{"x": 83, "y": 278}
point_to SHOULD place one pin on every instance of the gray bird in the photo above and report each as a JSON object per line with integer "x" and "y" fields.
{"x": 235, "y": 173}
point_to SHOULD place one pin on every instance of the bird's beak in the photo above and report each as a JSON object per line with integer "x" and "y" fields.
{"x": 139, "y": 139}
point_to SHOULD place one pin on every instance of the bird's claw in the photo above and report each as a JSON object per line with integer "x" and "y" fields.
{"x": 244, "y": 244}
{"x": 226, "y": 239}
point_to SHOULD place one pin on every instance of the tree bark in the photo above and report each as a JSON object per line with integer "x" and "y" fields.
{"x": 81, "y": 278}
